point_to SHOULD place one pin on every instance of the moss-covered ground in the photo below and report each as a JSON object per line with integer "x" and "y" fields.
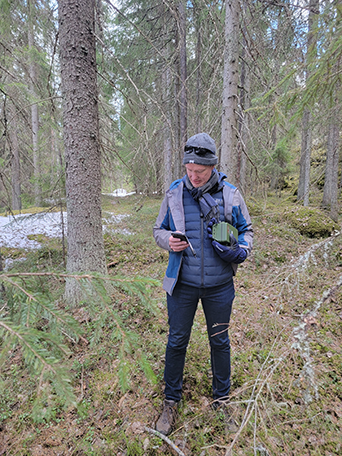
{"x": 286, "y": 338}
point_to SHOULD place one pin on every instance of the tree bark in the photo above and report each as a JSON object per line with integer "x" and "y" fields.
{"x": 81, "y": 139}
{"x": 177, "y": 163}
{"x": 229, "y": 132}
{"x": 166, "y": 96}
{"x": 34, "y": 106}
{"x": 305, "y": 157}
{"x": 198, "y": 61}
{"x": 243, "y": 115}
{"x": 167, "y": 143}
{"x": 330, "y": 191}
{"x": 15, "y": 163}
{"x": 183, "y": 76}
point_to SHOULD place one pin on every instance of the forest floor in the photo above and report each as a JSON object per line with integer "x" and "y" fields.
{"x": 286, "y": 342}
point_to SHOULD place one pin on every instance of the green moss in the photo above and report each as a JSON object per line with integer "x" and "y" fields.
{"x": 255, "y": 208}
{"x": 280, "y": 258}
{"x": 310, "y": 222}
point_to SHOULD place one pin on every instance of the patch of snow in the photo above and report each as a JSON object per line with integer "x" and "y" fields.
{"x": 8, "y": 262}
{"x": 14, "y": 231}
{"x": 110, "y": 220}
{"x": 121, "y": 192}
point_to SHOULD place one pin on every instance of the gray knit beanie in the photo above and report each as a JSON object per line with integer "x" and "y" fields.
{"x": 201, "y": 150}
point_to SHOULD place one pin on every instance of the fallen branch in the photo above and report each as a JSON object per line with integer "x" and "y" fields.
{"x": 302, "y": 342}
{"x": 250, "y": 412}
{"x": 166, "y": 439}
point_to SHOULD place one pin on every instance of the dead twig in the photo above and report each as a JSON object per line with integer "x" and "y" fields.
{"x": 220, "y": 332}
{"x": 166, "y": 439}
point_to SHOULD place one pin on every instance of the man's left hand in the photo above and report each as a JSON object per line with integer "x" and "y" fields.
{"x": 232, "y": 253}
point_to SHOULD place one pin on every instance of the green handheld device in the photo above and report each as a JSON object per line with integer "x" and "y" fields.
{"x": 221, "y": 232}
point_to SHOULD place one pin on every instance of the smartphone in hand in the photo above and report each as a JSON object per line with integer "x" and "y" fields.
{"x": 180, "y": 236}
{"x": 184, "y": 237}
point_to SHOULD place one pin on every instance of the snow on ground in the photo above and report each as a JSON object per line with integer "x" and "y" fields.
{"x": 15, "y": 230}
{"x": 120, "y": 192}
{"x": 110, "y": 220}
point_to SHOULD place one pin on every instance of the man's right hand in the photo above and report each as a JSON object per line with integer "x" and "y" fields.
{"x": 176, "y": 245}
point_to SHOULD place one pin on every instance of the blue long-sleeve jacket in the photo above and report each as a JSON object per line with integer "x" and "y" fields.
{"x": 172, "y": 218}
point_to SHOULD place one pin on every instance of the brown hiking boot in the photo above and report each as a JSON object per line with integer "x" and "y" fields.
{"x": 222, "y": 407}
{"x": 167, "y": 419}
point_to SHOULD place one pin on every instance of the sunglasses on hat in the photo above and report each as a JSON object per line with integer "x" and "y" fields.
{"x": 201, "y": 151}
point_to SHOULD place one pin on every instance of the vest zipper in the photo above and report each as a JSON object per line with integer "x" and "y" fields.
{"x": 202, "y": 250}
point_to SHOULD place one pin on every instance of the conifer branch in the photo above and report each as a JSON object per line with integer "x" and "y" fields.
{"x": 43, "y": 349}
{"x": 29, "y": 346}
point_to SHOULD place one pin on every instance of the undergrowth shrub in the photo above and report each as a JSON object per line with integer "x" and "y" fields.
{"x": 39, "y": 326}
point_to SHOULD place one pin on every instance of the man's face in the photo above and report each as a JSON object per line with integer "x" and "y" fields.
{"x": 198, "y": 174}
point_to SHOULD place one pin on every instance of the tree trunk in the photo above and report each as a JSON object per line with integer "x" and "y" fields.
{"x": 167, "y": 142}
{"x": 305, "y": 157}
{"x": 81, "y": 140}
{"x": 2, "y": 286}
{"x": 15, "y": 163}
{"x": 243, "y": 116}
{"x": 198, "y": 61}
{"x": 183, "y": 76}
{"x": 330, "y": 191}
{"x": 167, "y": 120}
{"x": 34, "y": 107}
{"x": 229, "y": 132}
{"x": 177, "y": 158}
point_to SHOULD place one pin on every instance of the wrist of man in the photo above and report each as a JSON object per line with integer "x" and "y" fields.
{"x": 236, "y": 255}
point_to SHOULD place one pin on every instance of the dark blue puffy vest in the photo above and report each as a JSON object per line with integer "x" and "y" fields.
{"x": 206, "y": 269}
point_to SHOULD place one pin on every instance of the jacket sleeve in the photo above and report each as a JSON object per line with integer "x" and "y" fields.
{"x": 242, "y": 221}
{"x": 162, "y": 228}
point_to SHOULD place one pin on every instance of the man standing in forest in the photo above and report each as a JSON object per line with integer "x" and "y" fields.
{"x": 199, "y": 267}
